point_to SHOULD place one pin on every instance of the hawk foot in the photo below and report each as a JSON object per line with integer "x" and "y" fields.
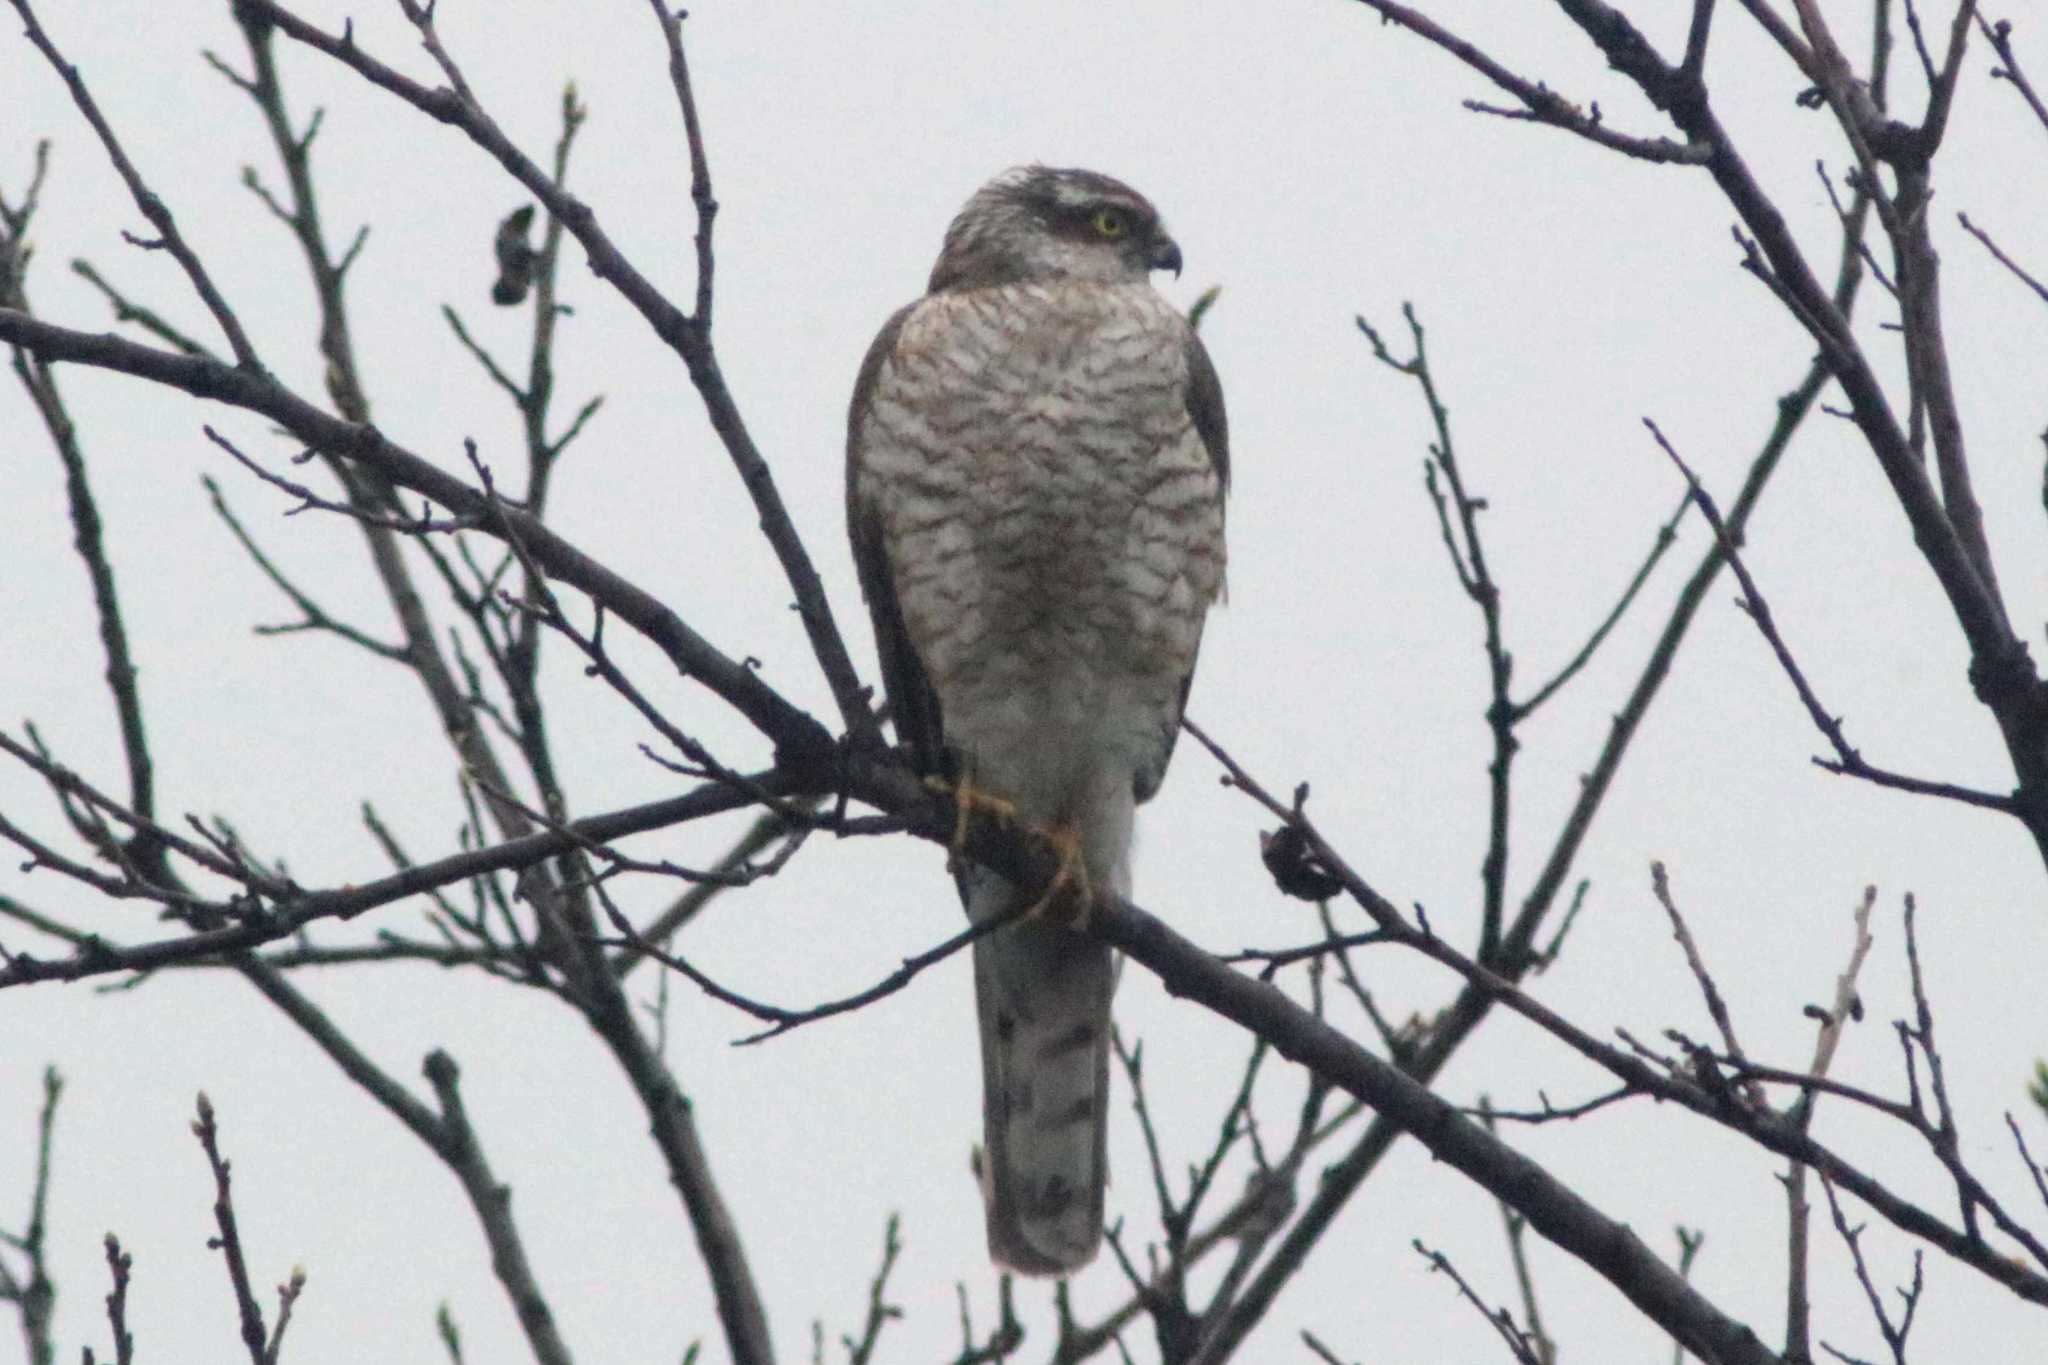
{"x": 1068, "y": 900}
{"x": 968, "y": 799}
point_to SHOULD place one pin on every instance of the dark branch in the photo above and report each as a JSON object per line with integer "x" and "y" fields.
{"x": 1848, "y": 762}
{"x": 146, "y": 200}
{"x": 688, "y": 336}
{"x": 229, "y": 1243}
{"x": 690, "y": 652}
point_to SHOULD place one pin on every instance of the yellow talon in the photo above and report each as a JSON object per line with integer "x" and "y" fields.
{"x": 1068, "y": 898}
{"x": 1071, "y": 878}
{"x": 967, "y": 799}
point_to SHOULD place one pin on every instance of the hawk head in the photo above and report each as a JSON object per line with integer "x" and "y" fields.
{"x": 1044, "y": 223}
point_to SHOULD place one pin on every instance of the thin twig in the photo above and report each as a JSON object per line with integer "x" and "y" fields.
{"x": 1894, "y": 1333}
{"x": 1322, "y": 1352}
{"x": 1666, "y": 537}
{"x": 127, "y": 310}
{"x": 1847, "y": 762}
{"x": 458, "y": 1146}
{"x": 146, "y": 200}
{"x": 2035, "y": 1171}
{"x": 1468, "y": 560}
{"x": 1515, "y": 1228}
{"x": 1999, "y": 35}
{"x": 96, "y": 956}
{"x": 1690, "y": 1240}
{"x": 287, "y": 1297}
{"x": 783, "y": 1020}
{"x": 35, "y": 1295}
{"x": 229, "y": 1242}
{"x": 1521, "y": 1344}
{"x": 315, "y": 617}
{"x": 766, "y": 829}
{"x": 1551, "y": 1113}
{"x": 119, "y": 1264}
{"x": 880, "y": 1312}
{"x": 687, "y": 334}
{"x": 2008, "y": 262}
{"x": 1717, "y": 1008}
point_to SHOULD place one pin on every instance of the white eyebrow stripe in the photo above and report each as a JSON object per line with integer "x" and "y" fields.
{"x": 1074, "y": 196}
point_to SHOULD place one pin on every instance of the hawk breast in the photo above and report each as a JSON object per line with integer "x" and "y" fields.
{"x": 1049, "y": 513}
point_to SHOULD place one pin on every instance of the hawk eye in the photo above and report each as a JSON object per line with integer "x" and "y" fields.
{"x": 1110, "y": 223}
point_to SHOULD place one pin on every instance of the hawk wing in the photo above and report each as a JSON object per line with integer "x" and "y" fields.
{"x": 912, "y": 703}
{"x": 1042, "y": 990}
{"x": 1205, "y": 409}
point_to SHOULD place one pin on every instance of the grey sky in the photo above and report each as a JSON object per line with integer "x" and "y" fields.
{"x": 1314, "y": 164}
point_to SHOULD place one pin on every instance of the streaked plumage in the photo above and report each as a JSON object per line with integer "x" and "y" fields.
{"x": 1036, "y": 460}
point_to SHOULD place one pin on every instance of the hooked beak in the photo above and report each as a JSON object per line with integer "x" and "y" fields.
{"x": 1165, "y": 255}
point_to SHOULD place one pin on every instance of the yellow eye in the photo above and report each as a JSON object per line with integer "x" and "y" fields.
{"x": 1111, "y": 223}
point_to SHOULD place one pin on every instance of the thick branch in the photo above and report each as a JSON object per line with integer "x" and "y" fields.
{"x": 1540, "y": 104}
{"x": 1551, "y": 1207}
{"x": 152, "y": 207}
{"x": 96, "y": 957}
{"x": 695, "y": 657}
{"x": 689, "y": 336}
{"x": 1343, "y": 1178}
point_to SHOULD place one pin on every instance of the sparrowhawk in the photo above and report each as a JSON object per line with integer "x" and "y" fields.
{"x": 1036, "y": 462}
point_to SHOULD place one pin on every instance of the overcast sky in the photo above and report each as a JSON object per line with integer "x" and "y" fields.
{"x": 1314, "y": 164}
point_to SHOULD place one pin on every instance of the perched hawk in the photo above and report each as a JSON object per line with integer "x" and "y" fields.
{"x": 1035, "y": 467}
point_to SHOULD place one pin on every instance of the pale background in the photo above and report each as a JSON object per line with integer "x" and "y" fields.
{"x": 1316, "y": 165}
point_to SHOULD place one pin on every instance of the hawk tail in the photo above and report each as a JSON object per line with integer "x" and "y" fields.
{"x": 1042, "y": 993}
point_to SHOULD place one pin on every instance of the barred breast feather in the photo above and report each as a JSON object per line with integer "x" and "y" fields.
{"x": 1038, "y": 510}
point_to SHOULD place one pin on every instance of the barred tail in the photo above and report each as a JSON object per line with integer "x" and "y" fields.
{"x": 1042, "y": 993}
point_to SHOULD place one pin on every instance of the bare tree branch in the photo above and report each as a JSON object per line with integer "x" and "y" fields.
{"x": 1848, "y": 761}
{"x": 1703, "y": 1091}
{"x": 740, "y": 686}
{"x": 1343, "y": 1178}
{"x": 1717, "y": 1008}
{"x": 33, "y": 1294}
{"x": 1539, "y": 104}
{"x": 687, "y": 334}
{"x": 1607, "y": 1247}
{"x": 1999, "y": 35}
{"x": 1845, "y": 1006}
{"x": 119, "y": 1264}
{"x": 458, "y": 1146}
{"x": 230, "y": 1242}
{"x": 1982, "y": 236}
{"x": 1522, "y": 1345}
{"x": 267, "y": 925}
{"x": 146, "y": 200}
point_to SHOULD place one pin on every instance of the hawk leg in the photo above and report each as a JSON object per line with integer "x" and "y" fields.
{"x": 1068, "y": 898}
{"x": 967, "y": 799}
